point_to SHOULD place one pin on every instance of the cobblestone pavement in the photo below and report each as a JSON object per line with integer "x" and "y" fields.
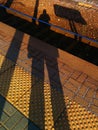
{"x": 45, "y": 89}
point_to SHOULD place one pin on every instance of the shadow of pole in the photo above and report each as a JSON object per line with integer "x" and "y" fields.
{"x": 12, "y": 53}
{"x": 73, "y": 28}
{"x": 35, "y": 11}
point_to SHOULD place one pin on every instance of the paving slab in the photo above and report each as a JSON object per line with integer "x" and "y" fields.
{"x": 12, "y": 119}
{"x": 53, "y": 90}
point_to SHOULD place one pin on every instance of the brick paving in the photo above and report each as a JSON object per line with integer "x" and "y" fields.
{"x": 77, "y": 85}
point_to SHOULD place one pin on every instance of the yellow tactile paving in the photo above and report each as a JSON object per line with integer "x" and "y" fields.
{"x": 5, "y": 63}
{"x": 78, "y": 117}
{"x": 41, "y": 105}
{"x": 44, "y": 105}
{"x": 14, "y": 83}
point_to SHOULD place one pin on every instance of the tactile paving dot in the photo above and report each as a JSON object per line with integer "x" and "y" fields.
{"x": 41, "y": 104}
{"x": 44, "y": 105}
{"x": 5, "y": 63}
{"x": 14, "y": 83}
{"x": 31, "y": 104}
{"x": 78, "y": 118}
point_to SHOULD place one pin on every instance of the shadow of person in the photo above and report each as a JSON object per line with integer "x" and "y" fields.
{"x": 47, "y": 101}
{"x": 44, "y": 20}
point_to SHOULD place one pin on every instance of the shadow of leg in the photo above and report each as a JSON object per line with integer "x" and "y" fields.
{"x": 59, "y": 112}
{"x": 36, "y": 105}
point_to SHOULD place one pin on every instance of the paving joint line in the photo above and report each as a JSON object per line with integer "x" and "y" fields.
{"x": 2, "y": 124}
{"x": 81, "y": 85}
{"x": 86, "y": 92}
{"x": 60, "y": 115}
{"x": 6, "y": 69}
{"x": 14, "y": 114}
{"x": 91, "y": 102}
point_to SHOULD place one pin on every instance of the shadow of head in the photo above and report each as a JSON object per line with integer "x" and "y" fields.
{"x": 69, "y": 14}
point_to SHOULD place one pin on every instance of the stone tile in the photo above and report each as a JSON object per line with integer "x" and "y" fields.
{"x": 82, "y": 78}
{"x": 3, "y": 44}
{"x": 81, "y": 101}
{"x": 68, "y": 93}
{"x": 23, "y": 55}
{"x": 72, "y": 85}
{"x": 93, "y": 81}
{"x": 96, "y": 96}
{"x": 8, "y": 108}
{"x": 61, "y": 78}
{"x": 83, "y": 89}
{"x": 24, "y": 65}
{"x": 94, "y": 109}
{"x": 95, "y": 102}
{"x": 90, "y": 93}
{"x": 76, "y": 74}
{"x": 65, "y": 68}
{"x": 13, "y": 120}
{"x": 3, "y": 116}
{"x": 90, "y": 85}
{"x": 21, "y": 125}
{"x": 2, "y": 128}
{"x": 23, "y": 46}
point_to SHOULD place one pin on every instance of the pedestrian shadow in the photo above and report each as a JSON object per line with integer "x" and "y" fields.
{"x": 72, "y": 15}
{"x": 44, "y": 17}
{"x": 44, "y": 110}
{"x": 38, "y": 109}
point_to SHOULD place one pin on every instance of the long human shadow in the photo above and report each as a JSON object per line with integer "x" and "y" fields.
{"x": 33, "y": 29}
{"x": 40, "y": 63}
{"x": 72, "y": 15}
